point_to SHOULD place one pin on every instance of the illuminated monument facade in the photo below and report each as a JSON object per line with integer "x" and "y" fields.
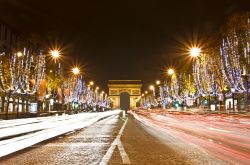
{"x": 124, "y": 94}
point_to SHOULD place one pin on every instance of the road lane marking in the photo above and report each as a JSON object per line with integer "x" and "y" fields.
{"x": 117, "y": 142}
{"x": 125, "y": 158}
{"x": 91, "y": 136}
{"x": 75, "y": 144}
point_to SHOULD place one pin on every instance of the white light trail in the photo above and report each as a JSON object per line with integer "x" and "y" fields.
{"x": 53, "y": 127}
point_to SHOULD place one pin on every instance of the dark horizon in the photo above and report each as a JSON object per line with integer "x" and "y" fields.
{"x": 120, "y": 40}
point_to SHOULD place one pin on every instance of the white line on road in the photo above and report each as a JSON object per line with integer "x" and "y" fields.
{"x": 125, "y": 158}
{"x": 116, "y": 142}
{"x": 74, "y": 145}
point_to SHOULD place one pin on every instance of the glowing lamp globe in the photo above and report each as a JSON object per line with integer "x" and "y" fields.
{"x": 195, "y": 52}
{"x": 170, "y": 71}
{"x": 76, "y": 71}
{"x": 55, "y": 54}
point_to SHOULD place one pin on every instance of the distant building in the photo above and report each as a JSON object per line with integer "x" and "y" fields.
{"x": 124, "y": 93}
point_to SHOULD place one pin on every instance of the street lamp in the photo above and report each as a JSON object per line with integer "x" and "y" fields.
{"x": 157, "y": 90}
{"x": 55, "y": 54}
{"x": 152, "y": 88}
{"x": 224, "y": 91}
{"x": 233, "y": 91}
{"x": 56, "y": 69}
{"x": 170, "y": 71}
{"x": 19, "y": 54}
{"x": 246, "y": 78}
{"x": 91, "y": 83}
{"x": 75, "y": 70}
{"x": 195, "y": 52}
{"x": 96, "y": 89}
{"x": 157, "y": 82}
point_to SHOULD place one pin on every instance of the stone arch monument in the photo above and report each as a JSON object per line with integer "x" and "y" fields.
{"x": 119, "y": 88}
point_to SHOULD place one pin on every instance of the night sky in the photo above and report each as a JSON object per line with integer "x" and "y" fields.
{"x": 120, "y": 39}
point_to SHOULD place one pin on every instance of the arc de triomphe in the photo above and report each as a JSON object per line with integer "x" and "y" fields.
{"x": 124, "y": 93}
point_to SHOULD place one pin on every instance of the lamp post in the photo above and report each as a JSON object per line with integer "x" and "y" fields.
{"x": 171, "y": 73}
{"x": 157, "y": 82}
{"x": 224, "y": 91}
{"x": 96, "y": 98}
{"x": 102, "y": 101}
{"x": 91, "y": 94}
{"x": 194, "y": 53}
{"x": 247, "y": 92}
{"x": 152, "y": 88}
{"x": 142, "y": 100}
{"x": 146, "y": 98}
{"x": 76, "y": 71}
{"x": 203, "y": 101}
{"x": 157, "y": 93}
{"x": 209, "y": 101}
{"x": 55, "y": 54}
{"x": 246, "y": 78}
{"x": 19, "y": 55}
{"x": 233, "y": 91}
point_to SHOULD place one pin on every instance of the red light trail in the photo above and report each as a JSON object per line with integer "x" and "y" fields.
{"x": 225, "y": 137}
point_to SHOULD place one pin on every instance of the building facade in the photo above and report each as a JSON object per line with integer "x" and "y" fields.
{"x": 118, "y": 89}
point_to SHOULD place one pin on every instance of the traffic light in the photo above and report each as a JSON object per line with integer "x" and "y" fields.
{"x": 176, "y": 104}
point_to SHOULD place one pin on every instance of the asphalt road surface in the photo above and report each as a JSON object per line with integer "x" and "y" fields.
{"x": 208, "y": 138}
{"x": 114, "y": 140}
